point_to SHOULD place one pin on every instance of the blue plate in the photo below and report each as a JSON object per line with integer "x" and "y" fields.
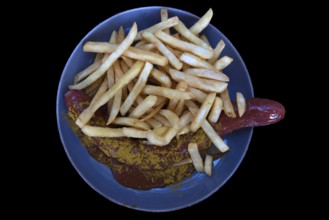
{"x": 192, "y": 190}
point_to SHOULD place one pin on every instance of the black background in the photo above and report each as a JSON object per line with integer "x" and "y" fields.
{"x": 261, "y": 186}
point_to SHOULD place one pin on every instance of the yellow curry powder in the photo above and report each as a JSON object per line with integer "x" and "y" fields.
{"x": 154, "y": 162}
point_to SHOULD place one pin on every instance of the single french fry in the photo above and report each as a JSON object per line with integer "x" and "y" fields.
{"x": 223, "y": 62}
{"x": 184, "y": 46}
{"x": 217, "y": 51}
{"x": 195, "y": 61}
{"x": 164, "y": 17}
{"x": 208, "y": 129}
{"x": 120, "y": 35}
{"x": 173, "y": 60}
{"x": 133, "y": 122}
{"x": 94, "y": 86}
{"x": 166, "y": 92}
{"x": 208, "y": 74}
{"x": 117, "y": 97}
{"x": 101, "y": 90}
{"x": 86, "y": 72}
{"x": 113, "y": 40}
{"x": 241, "y": 102}
{"x": 119, "y": 73}
{"x": 187, "y": 34}
{"x": 159, "y": 26}
{"x": 85, "y": 116}
{"x": 134, "y": 132}
{"x": 93, "y": 131}
{"x": 143, "y": 107}
{"x": 161, "y": 77}
{"x": 139, "y": 86}
{"x": 196, "y": 157}
{"x": 110, "y": 80}
{"x": 147, "y": 47}
{"x": 227, "y": 104}
{"x": 208, "y": 163}
{"x": 202, "y": 114}
{"x": 215, "y": 111}
{"x": 202, "y": 22}
{"x": 199, "y": 95}
{"x": 193, "y": 81}
{"x": 131, "y": 52}
{"x": 109, "y": 61}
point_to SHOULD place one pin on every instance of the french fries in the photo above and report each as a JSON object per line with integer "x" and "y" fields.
{"x": 150, "y": 89}
{"x": 109, "y": 61}
{"x": 93, "y": 131}
{"x": 216, "y": 109}
{"x": 161, "y": 130}
{"x": 164, "y": 17}
{"x": 199, "y": 95}
{"x": 196, "y": 157}
{"x": 195, "y": 61}
{"x": 172, "y": 117}
{"x": 196, "y": 82}
{"x": 241, "y": 102}
{"x": 132, "y": 52}
{"x": 134, "y": 132}
{"x": 154, "y": 123}
{"x": 162, "y": 119}
{"x": 117, "y": 97}
{"x": 202, "y": 22}
{"x": 203, "y": 112}
{"x": 208, "y": 164}
{"x": 85, "y": 116}
{"x": 144, "y": 106}
{"x": 133, "y": 122}
{"x": 173, "y": 60}
{"x": 185, "y": 32}
{"x": 208, "y": 129}
{"x": 223, "y": 62}
{"x": 166, "y": 92}
{"x": 159, "y": 26}
{"x": 139, "y": 86}
{"x": 227, "y": 104}
{"x": 86, "y": 72}
{"x": 161, "y": 77}
{"x": 207, "y": 74}
{"x": 184, "y": 46}
{"x": 181, "y": 86}
{"x": 217, "y": 51}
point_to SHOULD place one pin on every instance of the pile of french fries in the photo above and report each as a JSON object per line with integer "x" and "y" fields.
{"x": 158, "y": 85}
